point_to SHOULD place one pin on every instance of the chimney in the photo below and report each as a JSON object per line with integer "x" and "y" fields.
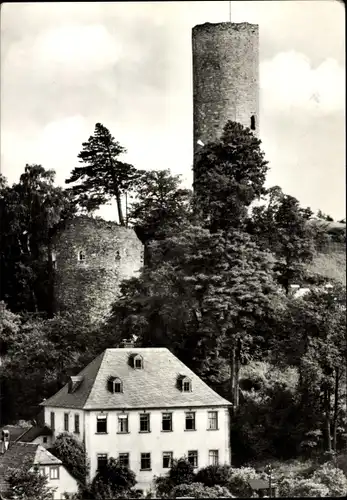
{"x": 126, "y": 343}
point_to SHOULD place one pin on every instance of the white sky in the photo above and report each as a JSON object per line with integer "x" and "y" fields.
{"x": 65, "y": 67}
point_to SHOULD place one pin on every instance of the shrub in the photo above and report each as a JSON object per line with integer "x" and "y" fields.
{"x": 181, "y": 472}
{"x": 214, "y": 475}
{"x": 73, "y": 455}
{"x": 238, "y": 481}
{"x": 333, "y": 478}
{"x": 298, "y": 488}
{"x": 112, "y": 480}
{"x": 26, "y": 484}
{"x": 198, "y": 490}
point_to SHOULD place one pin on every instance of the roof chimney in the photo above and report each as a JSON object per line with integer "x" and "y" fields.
{"x": 127, "y": 343}
{"x": 5, "y": 440}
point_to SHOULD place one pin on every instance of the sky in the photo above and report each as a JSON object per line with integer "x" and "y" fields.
{"x": 128, "y": 65}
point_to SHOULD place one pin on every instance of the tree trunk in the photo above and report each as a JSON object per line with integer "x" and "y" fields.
{"x": 237, "y": 373}
{"x": 336, "y": 408}
{"x": 327, "y": 429}
{"x": 232, "y": 375}
{"x": 120, "y": 211}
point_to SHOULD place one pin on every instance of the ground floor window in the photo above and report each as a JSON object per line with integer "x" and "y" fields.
{"x": 213, "y": 457}
{"x": 101, "y": 460}
{"x": 167, "y": 459}
{"x": 124, "y": 459}
{"x": 145, "y": 461}
{"x": 193, "y": 457}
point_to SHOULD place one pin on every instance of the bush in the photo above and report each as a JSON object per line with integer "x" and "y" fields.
{"x": 73, "y": 455}
{"x": 238, "y": 481}
{"x": 214, "y": 475}
{"x": 113, "y": 480}
{"x": 181, "y": 472}
{"x": 198, "y": 490}
{"x": 26, "y": 484}
{"x": 298, "y": 488}
{"x": 333, "y": 478}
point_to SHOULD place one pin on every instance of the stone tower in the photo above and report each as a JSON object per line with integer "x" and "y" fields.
{"x": 225, "y": 78}
{"x": 90, "y": 257}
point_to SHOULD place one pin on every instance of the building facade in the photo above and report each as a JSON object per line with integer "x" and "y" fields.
{"x": 225, "y": 78}
{"x": 143, "y": 407}
{"x": 90, "y": 258}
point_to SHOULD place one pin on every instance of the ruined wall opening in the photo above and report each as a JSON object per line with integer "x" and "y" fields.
{"x": 252, "y": 122}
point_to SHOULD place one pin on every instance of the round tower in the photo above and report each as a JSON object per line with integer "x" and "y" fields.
{"x": 225, "y": 78}
{"x": 90, "y": 257}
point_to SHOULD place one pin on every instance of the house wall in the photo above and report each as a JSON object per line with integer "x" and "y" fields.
{"x": 65, "y": 484}
{"x": 59, "y": 421}
{"x": 39, "y": 440}
{"x": 179, "y": 441}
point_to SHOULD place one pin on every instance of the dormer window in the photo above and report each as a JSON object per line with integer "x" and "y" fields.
{"x": 184, "y": 383}
{"x": 74, "y": 383}
{"x": 136, "y": 361}
{"x": 81, "y": 256}
{"x": 114, "y": 385}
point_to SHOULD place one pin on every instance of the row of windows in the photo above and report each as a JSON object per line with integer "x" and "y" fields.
{"x": 166, "y": 422}
{"x": 53, "y": 472}
{"x": 115, "y": 385}
{"x": 167, "y": 457}
{"x": 67, "y": 422}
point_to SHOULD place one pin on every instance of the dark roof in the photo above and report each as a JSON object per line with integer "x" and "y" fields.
{"x": 151, "y": 387}
{"x": 259, "y": 484}
{"x": 34, "y": 432}
{"x": 18, "y": 453}
{"x": 15, "y": 431}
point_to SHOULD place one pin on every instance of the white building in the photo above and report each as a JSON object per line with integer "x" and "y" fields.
{"x": 144, "y": 407}
{"x": 18, "y": 454}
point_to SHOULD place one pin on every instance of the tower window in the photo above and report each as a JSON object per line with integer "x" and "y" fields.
{"x": 252, "y": 122}
{"x": 81, "y": 256}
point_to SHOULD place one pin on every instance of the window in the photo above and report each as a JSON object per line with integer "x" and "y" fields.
{"x": 138, "y": 363}
{"x": 166, "y": 424}
{"x": 252, "y": 122}
{"x": 186, "y": 386}
{"x": 144, "y": 422}
{"x": 52, "y": 420}
{"x": 101, "y": 424}
{"x": 145, "y": 461}
{"x": 77, "y": 423}
{"x": 213, "y": 420}
{"x": 44, "y": 439}
{"x": 114, "y": 385}
{"x": 123, "y": 424}
{"x": 42, "y": 471}
{"x": 167, "y": 459}
{"x": 66, "y": 422}
{"x": 213, "y": 457}
{"x": 124, "y": 459}
{"x": 190, "y": 421}
{"x": 193, "y": 458}
{"x": 81, "y": 256}
{"x": 101, "y": 460}
{"x": 54, "y": 472}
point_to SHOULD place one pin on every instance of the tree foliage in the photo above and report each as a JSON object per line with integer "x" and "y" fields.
{"x": 229, "y": 174}
{"x": 29, "y": 212}
{"x": 25, "y": 483}
{"x": 73, "y": 455}
{"x": 103, "y": 176}
{"x": 113, "y": 479}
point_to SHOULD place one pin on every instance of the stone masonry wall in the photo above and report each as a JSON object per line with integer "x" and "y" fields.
{"x": 225, "y": 77}
{"x": 112, "y": 253}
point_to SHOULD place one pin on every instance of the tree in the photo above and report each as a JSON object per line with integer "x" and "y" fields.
{"x": 73, "y": 455}
{"x": 114, "y": 478}
{"x": 229, "y": 174}
{"x": 103, "y": 176}
{"x": 29, "y": 212}
{"x": 204, "y": 294}
{"x": 311, "y": 336}
{"x": 199, "y": 490}
{"x": 281, "y": 226}
{"x": 323, "y": 216}
{"x": 213, "y": 475}
{"x": 181, "y": 472}
{"x": 25, "y": 483}
{"x": 161, "y": 206}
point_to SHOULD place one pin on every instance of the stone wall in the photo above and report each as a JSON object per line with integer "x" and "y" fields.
{"x": 112, "y": 253}
{"x": 225, "y": 78}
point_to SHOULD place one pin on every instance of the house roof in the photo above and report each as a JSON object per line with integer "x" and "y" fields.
{"x": 15, "y": 431}
{"x": 18, "y": 453}
{"x": 33, "y": 432}
{"x": 152, "y": 387}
